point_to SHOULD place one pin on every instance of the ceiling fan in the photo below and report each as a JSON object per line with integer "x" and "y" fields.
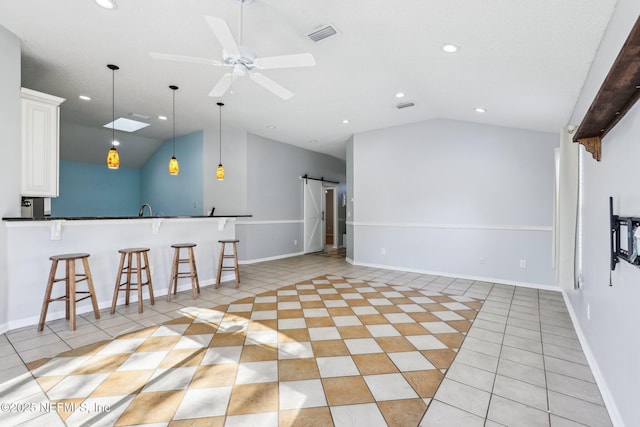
{"x": 242, "y": 60}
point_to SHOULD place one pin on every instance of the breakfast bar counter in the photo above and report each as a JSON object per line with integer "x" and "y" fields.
{"x": 33, "y": 240}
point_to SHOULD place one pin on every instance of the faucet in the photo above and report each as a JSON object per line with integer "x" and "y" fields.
{"x": 141, "y": 211}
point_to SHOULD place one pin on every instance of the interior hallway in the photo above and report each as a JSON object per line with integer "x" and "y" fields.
{"x": 520, "y": 362}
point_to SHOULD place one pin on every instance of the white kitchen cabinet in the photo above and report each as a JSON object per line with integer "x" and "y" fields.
{"x": 40, "y": 143}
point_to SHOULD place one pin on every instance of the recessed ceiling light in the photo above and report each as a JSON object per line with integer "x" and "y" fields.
{"x": 84, "y": 97}
{"x": 162, "y": 117}
{"x": 313, "y": 141}
{"x": 345, "y": 121}
{"x": 480, "y": 110}
{"x": 450, "y": 48}
{"x": 116, "y": 143}
{"x": 271, "y": 127}
{"x": 107, "y": 4}
{"x": 400, "y": 95}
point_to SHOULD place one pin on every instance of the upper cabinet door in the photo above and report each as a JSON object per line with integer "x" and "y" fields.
{"x": 40, "y": 143}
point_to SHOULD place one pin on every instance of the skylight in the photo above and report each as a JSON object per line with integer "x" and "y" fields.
{"x": 126, "y": 125}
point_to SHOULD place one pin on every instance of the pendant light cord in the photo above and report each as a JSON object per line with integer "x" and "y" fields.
{"x": 174, "y": 122}
{"x": 220, "y": 128}
{"x": 113, "y": 106}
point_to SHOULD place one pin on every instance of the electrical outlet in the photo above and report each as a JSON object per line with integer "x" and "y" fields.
{"x": 588, "y": 312}
{"x": 481, "y": 260}
{"x": 195, "y": 205}
{"x": 295, "y": 243}
{"x": 523, "y": 263}
{"x": 383, "y": 251}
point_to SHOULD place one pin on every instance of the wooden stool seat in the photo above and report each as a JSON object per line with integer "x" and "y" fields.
{"x": 136, "y": 269}
{"x": 177, "y": 274}
{"x": 223, "y": 256}
{"x": 71, "y": 279}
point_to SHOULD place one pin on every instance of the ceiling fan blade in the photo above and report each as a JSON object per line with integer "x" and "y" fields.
{"x": 285, "y": 61}
{"x": 182, "y": 58}
{"x": 223, "y": 34}
{"x": 222, "y": 86}
{"x": 271, "y": 86}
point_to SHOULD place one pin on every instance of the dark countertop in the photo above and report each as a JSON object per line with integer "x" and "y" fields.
{"x": 85, "y": 218}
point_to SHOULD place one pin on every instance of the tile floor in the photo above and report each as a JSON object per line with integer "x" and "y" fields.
{"x": 520, "y": 363}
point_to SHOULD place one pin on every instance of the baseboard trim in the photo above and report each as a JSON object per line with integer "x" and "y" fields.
{"x": 607, "y": 397}
{"x": 459, "y": 276}
{"x": 271, "y": 258}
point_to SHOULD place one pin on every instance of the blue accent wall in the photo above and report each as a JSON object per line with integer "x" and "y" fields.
{"x": 88, "y": 189}
{"x": 179, "y": 194}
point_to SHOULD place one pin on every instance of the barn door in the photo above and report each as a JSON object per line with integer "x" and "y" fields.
{"x": 313, "y": 215}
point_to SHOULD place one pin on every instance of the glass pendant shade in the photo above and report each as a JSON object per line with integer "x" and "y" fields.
{"x": 113, "y": 159}
{"x": 174, "y": 167}
{"x": 220, "y": 172}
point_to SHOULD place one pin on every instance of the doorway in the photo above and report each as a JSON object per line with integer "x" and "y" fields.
{"x": 330, "y": 230}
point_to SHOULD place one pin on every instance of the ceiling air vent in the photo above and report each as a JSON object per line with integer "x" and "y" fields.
{"x": 405, "y": 105}
{"x": 323, "y": 33}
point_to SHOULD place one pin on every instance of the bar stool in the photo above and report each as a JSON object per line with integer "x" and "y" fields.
{"x": 234, "y": 267}
{"x": 177, "y": 274}
{"x": 130, "y": 269}
{"x": 71, "y": 279}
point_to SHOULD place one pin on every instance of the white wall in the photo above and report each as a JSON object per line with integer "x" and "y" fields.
{"x": 230, "y": 195}
{"x": 455, "y": 198}
{"x": 275, "y": 197}
{"x": 612, "y": 329}
{"x": 11, "y": 155}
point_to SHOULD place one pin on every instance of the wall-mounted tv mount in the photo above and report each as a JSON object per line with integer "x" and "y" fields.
{"x": 623, "y": 240}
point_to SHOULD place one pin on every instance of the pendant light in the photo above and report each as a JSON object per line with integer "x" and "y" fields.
{"x": 220, "y": 170}
{"x": 113, "y": 159}
{"x": 174, "y": 168}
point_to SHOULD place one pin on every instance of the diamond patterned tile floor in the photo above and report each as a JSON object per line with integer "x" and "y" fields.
{"x": 383, "y": 348}
{"x": 298, "y": 347}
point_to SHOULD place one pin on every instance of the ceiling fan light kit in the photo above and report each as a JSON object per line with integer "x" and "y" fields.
{"x": 242, "y": 60}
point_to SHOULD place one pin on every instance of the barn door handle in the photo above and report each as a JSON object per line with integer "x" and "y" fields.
{"x": 323, "y": 215}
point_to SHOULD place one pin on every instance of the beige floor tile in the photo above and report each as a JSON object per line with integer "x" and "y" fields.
{"x": 256, "y": 353}
{"x": 201, "y": 328}
{"x": 154, "y": 407}
{"x": 220, "y": 375}
{"x": 371, "y": 364}
{"x": 329, "y": 348}
{"x": 182, "y": 358}
{"x": 346, "y": 390}
{"x": 402, "y": 413}
{"x": 101, "y": 363}
{"x": 227, "y": 339}
{"x": 307, "y": 417}
{"x": 253, "y": 398}
{"x": 123, "y": 383}
{"x": 425, "y": 383}
{"x": 298, "y": 369}
{"x": 199, "y": 422}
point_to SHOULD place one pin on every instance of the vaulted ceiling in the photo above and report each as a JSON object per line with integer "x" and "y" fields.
{"x": 524, "y": 62}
